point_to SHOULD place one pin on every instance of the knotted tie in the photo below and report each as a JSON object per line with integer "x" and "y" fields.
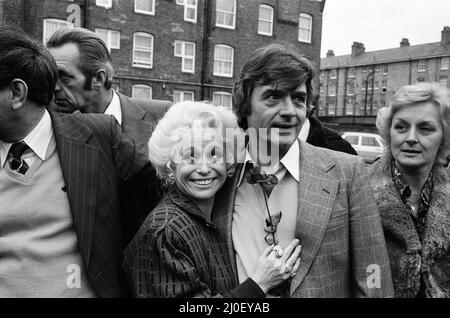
{"x": 17, "y": 163}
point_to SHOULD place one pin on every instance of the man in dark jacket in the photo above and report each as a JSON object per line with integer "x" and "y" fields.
{"x": 317, "y": 134}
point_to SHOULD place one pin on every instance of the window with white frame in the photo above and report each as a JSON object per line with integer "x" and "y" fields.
{"x": 332, "y": 89}
{"x": 104, "y": 3}
{"x": 226, "y": 14}
{"x": 349, "y": 107}
{"x": 144, "y": 6}
{"x": 375, "y": 85}
{"x": 351, "y": 72}
{"x": 351, "y": 88}
{"x": 190, "y": 11}
{"x": 332, "y": 108}
{"x": 52, "y": 25}
{"x": 385, "y": 68}
{"x": 333, "y": 74}
{"x": 445, "y": 63}
{"x": 180, "y": 2}
{"x": 265, "y": 20}
{"x": 142, "y": 92}
{"x": 111, "y": 38}
{"x": 305, "y": 28}
{"x": 180, "y": 96}
{"x": 222, "y": 99}
{"x": 223, "y": 60}
{"x": 384, "y": 85}
{"x": 143, "y": 50}
{"x": 186, "y": 50}
{"x": 422, "y": 66}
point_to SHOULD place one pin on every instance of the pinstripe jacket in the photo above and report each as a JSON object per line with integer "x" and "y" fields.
{"x": 139, "y": 118}
{"x": 95, "y": 155}
{"x": 338, "y": 225}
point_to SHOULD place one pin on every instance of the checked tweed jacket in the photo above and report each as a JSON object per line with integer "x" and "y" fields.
{"x": 95, "y": 155}
{"x": 338, "y": 226}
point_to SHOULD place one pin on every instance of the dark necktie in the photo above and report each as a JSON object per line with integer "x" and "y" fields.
{"x": 17, "y": 163}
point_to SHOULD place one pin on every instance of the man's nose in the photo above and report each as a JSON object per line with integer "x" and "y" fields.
{"x": 287, "y": 107}
{"x": 58, "y": 86}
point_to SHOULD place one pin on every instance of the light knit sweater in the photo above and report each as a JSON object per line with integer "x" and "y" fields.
{"x": 39, "y": 255}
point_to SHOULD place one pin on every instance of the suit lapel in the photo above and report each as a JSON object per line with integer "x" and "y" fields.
{"x": 222, "y": 216}
{"x": 317, "y": 193}
{"x": 134, "y": 121}
{"x": 79, "y": 163}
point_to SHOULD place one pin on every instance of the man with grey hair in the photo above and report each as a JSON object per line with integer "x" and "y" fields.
{"x": 85, "y": 75}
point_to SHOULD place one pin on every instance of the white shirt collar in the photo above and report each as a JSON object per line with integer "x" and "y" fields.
{"x": 290, "y": 162}
{"x": 114, "y": 108}
{"x": 38, "y": 139}
{"x": 304, "y": 132}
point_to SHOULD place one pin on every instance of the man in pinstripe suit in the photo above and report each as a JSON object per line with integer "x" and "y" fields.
{"x": 85, "y": 75}
{"x": 321, "y": 197}
{"x": 60, "y": 221}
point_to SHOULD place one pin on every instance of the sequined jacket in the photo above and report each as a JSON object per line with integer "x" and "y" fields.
{"x": 410, "y": 257}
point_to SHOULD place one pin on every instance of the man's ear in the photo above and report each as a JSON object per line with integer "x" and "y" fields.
{"x": 99, "y": 79}
{"x": 19, "y": 91}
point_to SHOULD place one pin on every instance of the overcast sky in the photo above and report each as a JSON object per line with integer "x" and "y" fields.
{"x": 381, "y": 24}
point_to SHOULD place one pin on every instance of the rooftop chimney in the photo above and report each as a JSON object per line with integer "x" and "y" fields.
{"x": 404, "y": 42}
{"x": 330, "y": 53}
{"x": 357, "y": 49}
{"x": 445, "y": 38}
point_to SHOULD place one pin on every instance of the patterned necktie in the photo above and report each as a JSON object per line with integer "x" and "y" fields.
{"x": 17, "y": 163}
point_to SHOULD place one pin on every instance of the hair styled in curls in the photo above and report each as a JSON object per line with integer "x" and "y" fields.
{"x": 25, "y": 59}
{"x": 274, "y": 64}
{"x": 410, "y": 95}
{"x": 94, "y": 54}
{"x": 180, "y": 119}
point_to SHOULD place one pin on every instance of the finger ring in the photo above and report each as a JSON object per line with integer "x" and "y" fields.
{"x": 278, "y": 253}
{"x": 293, "y": 274}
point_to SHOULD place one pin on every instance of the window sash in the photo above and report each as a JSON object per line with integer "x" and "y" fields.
{"x": 226, "y": 13}
{"x": 110, "y": 37}
{"x": 445, "y": 63}
{"x": 144, "y": 6}
{"x": 52, "y": 25}
{"x": 104, "y": 3}
{"x": 222, "y": 99}
{"x": 223, "y": 61}
{"x": 179, "y": 96}
{"x": 305, "y": 28}
{"x": 265, "y": 20}
{"x": 143, "y": 54}
{"x": 190, "y": 11}
{"x": 142, "y": 92}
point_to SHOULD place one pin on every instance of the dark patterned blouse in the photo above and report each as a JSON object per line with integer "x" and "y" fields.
{"x": 405, "y": 193}
{"x": 418, "y": 218}
{"x": 178, "y": 252}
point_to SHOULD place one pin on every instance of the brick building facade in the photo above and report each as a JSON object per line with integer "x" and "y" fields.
{"x": 177, "y": 49}
{"x": 353, "y": 87}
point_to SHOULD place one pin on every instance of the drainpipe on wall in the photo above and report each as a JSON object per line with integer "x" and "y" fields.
{"x": 206, "y": 32}
{"x": 85, "y": 22}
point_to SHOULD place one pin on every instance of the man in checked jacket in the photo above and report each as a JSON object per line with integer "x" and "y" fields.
{"x": 60, "y": 222}
{"x": 323, "y": 197}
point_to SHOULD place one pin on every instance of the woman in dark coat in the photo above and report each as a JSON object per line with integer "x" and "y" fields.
{"x": 412, "y": 189}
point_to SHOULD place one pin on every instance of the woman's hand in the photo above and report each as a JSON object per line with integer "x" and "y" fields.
{"x": 275, "y": 265}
